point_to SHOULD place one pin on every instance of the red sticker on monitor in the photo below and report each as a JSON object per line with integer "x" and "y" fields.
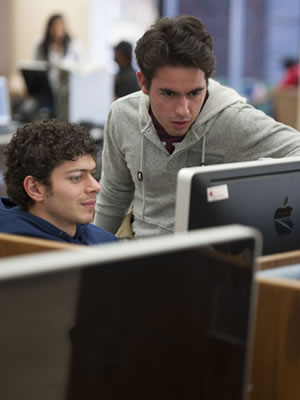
{"x": 216, "y": 193}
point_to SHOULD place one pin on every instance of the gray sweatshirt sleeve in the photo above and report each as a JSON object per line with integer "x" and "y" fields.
{"x": 249, "y": 134}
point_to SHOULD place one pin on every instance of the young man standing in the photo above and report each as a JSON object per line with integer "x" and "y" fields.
{"x": 49, "y": 176}
{"x": 180, "y": 118}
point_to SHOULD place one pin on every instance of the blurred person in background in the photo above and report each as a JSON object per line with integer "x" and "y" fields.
{"x": 291, "y": 73}
{"x": 57, "y": 44}
{"x": 125, "y": 80}
{"x": 57, "y": 47}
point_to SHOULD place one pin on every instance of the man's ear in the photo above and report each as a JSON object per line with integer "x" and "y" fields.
{"x": 142, "y": 82}
{"x": 33, "y": 188}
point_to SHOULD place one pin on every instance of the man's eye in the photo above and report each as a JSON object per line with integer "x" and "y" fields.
{"x": 195, "y": 93}
{"x": 168, "y": 93}
{"x": 76, "y": 178}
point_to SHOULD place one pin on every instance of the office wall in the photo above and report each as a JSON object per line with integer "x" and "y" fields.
{"x": 5, "y": 36}
{"x": 110, "y": 22}
{"x": 29, "y": 18}
{"x": 215, "y": 15}
{"x": 282, "y": 38}
{"x": 271, "y": 33}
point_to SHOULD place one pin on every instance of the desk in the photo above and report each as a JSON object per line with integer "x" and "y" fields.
{"x": 278, "y": 260}
{"x": 286, "y": 106}
{"x": 276, "y": 351}
{"x": 13, "y": 245}
{"x": 276, "y": 354}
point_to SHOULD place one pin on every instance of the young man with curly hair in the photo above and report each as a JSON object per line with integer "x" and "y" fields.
{"x": 50, "y": 181}
{"x": 180, "y": 118}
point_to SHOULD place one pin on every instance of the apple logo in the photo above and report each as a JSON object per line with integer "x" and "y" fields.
{"x": 282, "y": 218}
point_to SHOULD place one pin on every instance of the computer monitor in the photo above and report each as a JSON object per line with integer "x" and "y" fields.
{"x": 264, "y": 194}
{"x": 36, "y": 78}
{"x": 37, "y": 83}
{"x": 161, "y": 318}
{"x": 5, "y": 111}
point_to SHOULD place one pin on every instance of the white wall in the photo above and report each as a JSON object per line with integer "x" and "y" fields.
{"x": 5, "y": 37}
{"x": 115, "y": 20}
{"x": 29, "y": 20}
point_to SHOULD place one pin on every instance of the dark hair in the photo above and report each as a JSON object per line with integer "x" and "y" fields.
{"x": 289, "y": 62}
{"x": 125, "y": 48}
{"x": 39, "y": 147}
{"x": 179, "y": 41}
{"x": 47, "y": 37}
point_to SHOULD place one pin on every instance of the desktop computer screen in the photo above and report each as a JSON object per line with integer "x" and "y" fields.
{"x": 160, "y": 318}
{"x": 5, "y": 112}
{"x": 262, "y": 194}
{"x": 36, "y": 77}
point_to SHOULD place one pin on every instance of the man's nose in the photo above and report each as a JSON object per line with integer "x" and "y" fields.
{"x": 182, "y": 107}
{"x": 94, "y": 185}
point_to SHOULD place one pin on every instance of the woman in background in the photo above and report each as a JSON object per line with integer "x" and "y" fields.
{"x": 58, "y": 49}
{"x": 57, "y": 44}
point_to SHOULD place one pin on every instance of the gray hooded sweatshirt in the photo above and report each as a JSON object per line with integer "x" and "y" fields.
{"x": 137, "y": 169}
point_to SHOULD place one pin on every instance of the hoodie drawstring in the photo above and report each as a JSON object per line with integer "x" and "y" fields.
{"x": 140, "y": 175}
{"x": 203, "y": 151}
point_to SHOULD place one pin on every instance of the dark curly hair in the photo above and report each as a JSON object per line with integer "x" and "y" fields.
{"x": 179, "y": 41}
{"x": 39, "y": 147}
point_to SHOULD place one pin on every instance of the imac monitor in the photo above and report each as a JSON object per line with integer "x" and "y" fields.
{"x": 264, "y": 194}
{"x": 162, "y": 318}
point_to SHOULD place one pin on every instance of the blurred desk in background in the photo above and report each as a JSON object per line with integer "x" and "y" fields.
{"x": 286, "y": 106}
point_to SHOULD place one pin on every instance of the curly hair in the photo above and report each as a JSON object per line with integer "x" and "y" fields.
{"x": 179, "y": 41}
{"x": 39, "y": 147}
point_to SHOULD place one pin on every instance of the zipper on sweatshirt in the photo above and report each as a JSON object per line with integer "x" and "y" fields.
{"x": 203, "y": 149}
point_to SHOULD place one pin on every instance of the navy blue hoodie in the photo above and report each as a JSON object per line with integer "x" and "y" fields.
{"x": 14, "y": 220}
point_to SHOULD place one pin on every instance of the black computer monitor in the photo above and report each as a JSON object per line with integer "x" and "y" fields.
{"x": 159, "y": 318}
{"x": 37, "y": 83}
{"x": 36, "y": 78}
{"x": 264, "y": 194}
